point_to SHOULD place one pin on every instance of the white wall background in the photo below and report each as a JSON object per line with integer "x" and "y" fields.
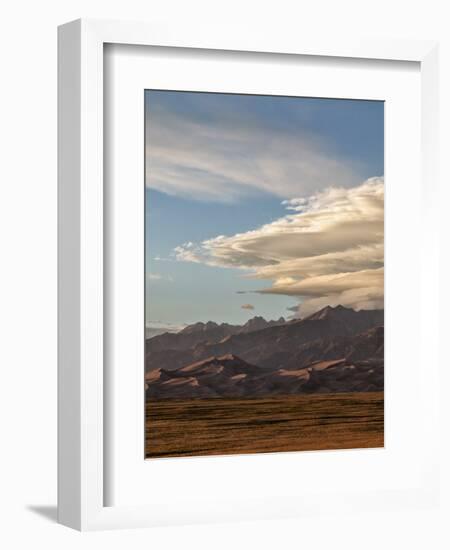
{"x": 28, "y": 271}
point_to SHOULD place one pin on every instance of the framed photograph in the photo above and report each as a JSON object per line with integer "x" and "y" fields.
{"x": 264, "y": 283}
{"x": 246, "y": 275}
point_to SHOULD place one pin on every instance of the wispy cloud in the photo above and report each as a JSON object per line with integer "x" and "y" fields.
{"x": 225, "y": 156}
{"x": 154, "y": 276}
{"x": 329, "y": 249}
{"x": 158, "y": 277}
{"x": 160, "y": 326}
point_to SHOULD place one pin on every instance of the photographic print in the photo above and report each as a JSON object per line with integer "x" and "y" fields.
{"x": 264, "y": 274}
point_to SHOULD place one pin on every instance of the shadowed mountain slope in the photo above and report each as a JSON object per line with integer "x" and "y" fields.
{"x": 205, "y": 333}
{"x": 326, "y": 334}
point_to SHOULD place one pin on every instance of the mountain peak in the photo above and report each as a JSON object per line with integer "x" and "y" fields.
{"x": 199, "y": 327}
{"x": 348, "y": 317}
{"x": 330, "y": 312}
{"x": 255, "y": 320}
{"x": 259, "y": 323}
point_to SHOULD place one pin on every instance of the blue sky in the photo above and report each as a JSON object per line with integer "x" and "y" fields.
{"x": 218, "y": 169}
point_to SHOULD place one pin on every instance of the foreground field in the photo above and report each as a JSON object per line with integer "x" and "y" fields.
{"x": 283, "y": 423}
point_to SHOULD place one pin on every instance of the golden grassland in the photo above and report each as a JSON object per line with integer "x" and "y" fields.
{"x": 197, "y": 427}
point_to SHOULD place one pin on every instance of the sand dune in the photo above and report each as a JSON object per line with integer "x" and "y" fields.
{"x": 230, "y": 376}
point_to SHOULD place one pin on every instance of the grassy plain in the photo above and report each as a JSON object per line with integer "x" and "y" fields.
{"x": 197, "y": 427}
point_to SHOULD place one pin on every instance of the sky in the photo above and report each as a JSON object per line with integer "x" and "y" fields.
{"x": 261, "y": 205}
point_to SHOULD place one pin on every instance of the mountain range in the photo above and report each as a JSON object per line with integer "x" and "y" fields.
{"x": 209, "y": 332}
{"x": 335, "y": 349}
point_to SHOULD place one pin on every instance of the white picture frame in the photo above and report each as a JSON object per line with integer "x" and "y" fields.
{"x": 82, "y": 484}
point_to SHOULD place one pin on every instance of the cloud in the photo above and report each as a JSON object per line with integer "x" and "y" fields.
{"x": 158, "y": 277}
{"x": 154, "y": 276}
{"x": 328, "y": 249}
{"x": 224, "y": 156}
{"x": 160, "y": 326}
{"x": 247, "y": 306}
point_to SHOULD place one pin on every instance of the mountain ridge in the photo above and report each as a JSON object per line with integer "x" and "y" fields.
{"x": 207, "y": 332}
{"x": 268, "y": 347}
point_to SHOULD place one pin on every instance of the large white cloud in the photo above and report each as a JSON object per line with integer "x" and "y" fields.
{"x": 225, "y": 157}
{"x": 328, "y": 250}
